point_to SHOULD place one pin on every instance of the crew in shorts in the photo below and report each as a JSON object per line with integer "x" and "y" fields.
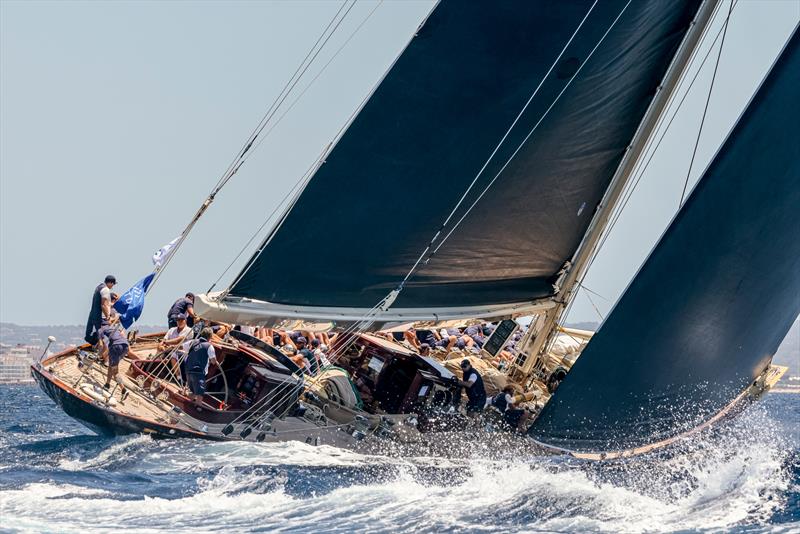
{"x": 114, "y": 348}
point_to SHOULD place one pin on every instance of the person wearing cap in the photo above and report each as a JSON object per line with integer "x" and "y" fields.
{"x": 310, "y": 363}
{"x": 199, "y": 354}
{"x": 472, "y": 382}
{"x": 298, "y": 359}
{"x": 185, "y": 306}
{"x": 100, "y": 310}
{"x": 503, "y": 402}
{"x": 173, "y": 338}
{"x": 113, "y": 347}
{"x": 176, "y": 334}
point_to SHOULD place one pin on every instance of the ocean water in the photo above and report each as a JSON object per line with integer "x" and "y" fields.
{"x": 56, "y": 476}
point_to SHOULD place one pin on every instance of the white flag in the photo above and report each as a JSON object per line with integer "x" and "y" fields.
{"x": 163, "y": 253}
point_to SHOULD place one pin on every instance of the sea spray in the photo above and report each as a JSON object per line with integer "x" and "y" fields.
{"x": 741, "y": 475}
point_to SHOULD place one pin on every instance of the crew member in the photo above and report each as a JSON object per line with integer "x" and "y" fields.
{"x": 503, "y": 402}
{"x": 473, "y": 383}
{"x": 320, "y": 353}
{"x": 220, "y": 330}
{"x": 308, "y": 354}
{"x": 101, "y": 309}
{"x": 298, "y": 359}
{"x": 184, "y": 305}
{"x": 174, "y": 337}
{"x": 475, "y": 332}
{"x": 429, "y": 337}
{"x": 114, "y": 347}
{"x": 199, "y": 353}
{"x": 114, "y": 317}
{"x": 410, "y": 337}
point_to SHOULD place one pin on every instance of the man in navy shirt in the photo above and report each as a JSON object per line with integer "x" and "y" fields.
{"x": 182, "y": 306}
{"x": 199, "y": 354}
{"x": 473, "y": 383}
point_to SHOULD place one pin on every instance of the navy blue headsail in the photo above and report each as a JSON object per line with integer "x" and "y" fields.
{"x": 432, "y": 124}
{"x": 710, "y": 306}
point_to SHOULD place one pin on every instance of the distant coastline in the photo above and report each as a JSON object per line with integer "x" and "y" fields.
{"x": 35, "y": 337}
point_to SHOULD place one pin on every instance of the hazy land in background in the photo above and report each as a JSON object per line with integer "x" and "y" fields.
{"x": 11, "y": 334}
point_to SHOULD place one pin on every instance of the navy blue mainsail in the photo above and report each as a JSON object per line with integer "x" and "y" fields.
{"x": 710, "y": 306}
{"x": 432, "y": 124}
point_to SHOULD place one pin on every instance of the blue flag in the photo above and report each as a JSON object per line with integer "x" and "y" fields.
{"x": 131, "y": 304}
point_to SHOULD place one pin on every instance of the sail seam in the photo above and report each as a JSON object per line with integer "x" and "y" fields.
{"x": 535, "y": 127}
{"x": 494, "y": 152}
{"x": 640, "y": 172}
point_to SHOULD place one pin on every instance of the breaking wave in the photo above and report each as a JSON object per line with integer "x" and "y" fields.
{"x": 744, "y": 475}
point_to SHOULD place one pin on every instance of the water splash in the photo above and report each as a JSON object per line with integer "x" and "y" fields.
{"x": 743, "y": 475}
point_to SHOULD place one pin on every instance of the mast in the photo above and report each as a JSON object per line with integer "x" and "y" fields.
{"x": 538, "y": 339}
{"x": 519, "y": 130}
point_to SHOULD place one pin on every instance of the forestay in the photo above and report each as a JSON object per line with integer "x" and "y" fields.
{"x": 713, "y": 301}
{"x": 434, "y": 122}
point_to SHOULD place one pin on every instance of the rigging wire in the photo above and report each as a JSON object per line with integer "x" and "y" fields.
{"x": 286, "y": 94}
{"x": 293, "y": 191}
{"x": 242, "y": 155}
{"x": 322, "y": 70}
{"x": 272, "y": 106}
{"x": 366, "y": 320}
{"x": 595, "y": 293}
{"x": 494, "y": 152}
{"x": 305, "y": 177}
{"x": 332, "y": 144}
{"x": 705, "y": 109}
{"x": 640, "y": 172}
{"x": 589, "y": 296}
{"x": 535, "y": 127}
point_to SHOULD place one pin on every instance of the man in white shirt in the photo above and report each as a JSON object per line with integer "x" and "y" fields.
{"x": 172, "y": 342}
{"x": 175, "y": 335}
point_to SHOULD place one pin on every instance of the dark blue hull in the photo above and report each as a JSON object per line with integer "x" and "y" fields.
{"x": 98, "y": 418}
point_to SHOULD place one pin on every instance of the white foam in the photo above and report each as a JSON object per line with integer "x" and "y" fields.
{"x": 713, "y": 484}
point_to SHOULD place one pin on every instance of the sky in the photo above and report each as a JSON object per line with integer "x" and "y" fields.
{"x": 117, "y": 119}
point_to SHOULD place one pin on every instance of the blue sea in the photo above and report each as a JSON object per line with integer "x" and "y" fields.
{"x": 56, "y": 476}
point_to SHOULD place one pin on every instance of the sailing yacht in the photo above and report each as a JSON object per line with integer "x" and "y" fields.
{"x": 529, "y": 122}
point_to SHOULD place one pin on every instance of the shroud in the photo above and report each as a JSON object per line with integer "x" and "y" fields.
{"x": 708, "y": 309}
{"x": 430, "y": 126}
